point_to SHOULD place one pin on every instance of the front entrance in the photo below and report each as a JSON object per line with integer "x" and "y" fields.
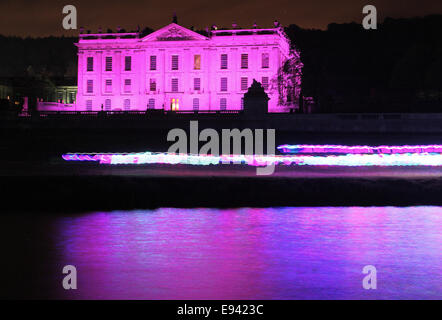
{"x": 174, "y": 104}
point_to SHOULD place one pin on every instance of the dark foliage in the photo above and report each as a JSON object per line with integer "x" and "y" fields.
{"x": 396, "y": 68}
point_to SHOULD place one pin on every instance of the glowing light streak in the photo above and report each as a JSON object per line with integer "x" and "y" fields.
{"x": 346, "y": 160}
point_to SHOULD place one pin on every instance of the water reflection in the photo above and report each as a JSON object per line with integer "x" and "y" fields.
{"x": 275, "y": 253}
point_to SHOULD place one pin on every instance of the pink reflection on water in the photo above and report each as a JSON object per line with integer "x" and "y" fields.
{"x": 273, "y": 253}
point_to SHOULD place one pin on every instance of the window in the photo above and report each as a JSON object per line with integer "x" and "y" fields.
{"x": 88, "y": 105}
{"x": 108, "y": 63}
{"x": 265, "y": 82}
{"x": 127, "y": 63}
{"x": 71, "y": 97}
{"x": 174, "y": 85}
{"x": 90, "y": 86}
{"x": 196, "y": 84}
{"x": 151, "y": 104}
{"x": 107, "y": 104}
{"x": 197, "y": 62}
{"x": 108, "y": 86}
{"x": 244, "y": 83}
{"x": 196, "y": 104}
{"x": 224, "y": 84}
{"x": 153, "y": 62}
{"x": 265, "y": 60}
{"x": 223, "y": 104}
{"x": 127, "y": 85}
{"x": 242, "y": 102}
{"x": 153, "y": 85}
{"x": 224, "y": 61}
{"x": 126, "y": 104}
{"x": 244, "y": 61}
{"x": 90, "y": 64}
{"x": 174, "y": 62}
{"x": 174, "y": 104}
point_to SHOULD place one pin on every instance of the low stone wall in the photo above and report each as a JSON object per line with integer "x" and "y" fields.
{"x": 336, "y": 123}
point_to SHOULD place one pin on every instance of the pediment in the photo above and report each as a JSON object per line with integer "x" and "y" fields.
{"x": 174, "y": 32}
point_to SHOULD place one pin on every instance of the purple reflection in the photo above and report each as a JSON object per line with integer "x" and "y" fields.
{"x": 275, "y": 253}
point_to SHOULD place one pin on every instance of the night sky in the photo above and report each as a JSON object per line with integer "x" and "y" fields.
{"x": 44, "y": 17}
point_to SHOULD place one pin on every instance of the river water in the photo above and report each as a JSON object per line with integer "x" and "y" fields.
{"x": 246, "y": 253}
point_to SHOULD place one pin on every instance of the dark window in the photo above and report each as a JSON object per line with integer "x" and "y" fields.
{"x": 90, "y": 86}
{"x": 153, "y": 62}
{"x": 174, "y": 85}
{"x": 244, "y": 61}
{"x": 126, "y": 104}
{"x": 89, "y": 105}
{"x": 265, "y": 82}
{"x": 196, "y": 104}
{"x": 223, "y": 84}
{"x": 107, "y": 104}
{"x": 196, "y": 84}
{"x": 174, "y": 62}
{"x": 265, "y": 60}
{"x": 244, "y": 83}
{"x": 151, "y": 103}
{"x": 223, "y": 103}
{"x": 108, "y": 87}
{"x": 108, "y": 63}
{"x": 90, "y": 63}
{"x": 127, "y": 63}
{"x": 127, "y": 85}
{"x": 224, "y": 60}
{"x": 153, "y": 85}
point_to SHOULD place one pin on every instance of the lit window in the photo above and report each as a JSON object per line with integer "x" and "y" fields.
{"x": 175, "y": 104}
{"x": 223, "y": 84}
{"x": 151, "y": 104}
{"x": 265, "y": 82}
{"x": 196, "y": 84}
{"x": 127, "y": 63}
{"x": 89, "y": 105}
{"x": 107, "y": 104}
{"x": 153, "y": 85}
{"x": 108, "y": 63}
{"x": 265, "y": 60}
{"x": 90, "y": 86}
{"x": 108, "y": 86}
{"x": 174, "y": 85}
{"x": 126, "y": 104}
{"x": 197, "y": 62}
{"x": 153, "y": 62}
{"x": 224, "y": 61}
{"x": 244, "y": 61}
{"x": 174, "y": 62}
{"x": 223, "y": 103}
{"x": 90, "y": 64}
{"x": 127, "y": 85}
{"x": 244, "y": 83}
{"x": 196, "y": 104}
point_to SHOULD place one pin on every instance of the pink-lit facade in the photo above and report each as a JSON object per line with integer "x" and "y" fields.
{"x": 177, "y": 69}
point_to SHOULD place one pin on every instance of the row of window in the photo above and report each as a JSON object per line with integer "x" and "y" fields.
{"x": 108, "y": 104}
{"x": 175, "y": 62}
{"x": 151, "y": 104}
{"x": 174, "y": 85}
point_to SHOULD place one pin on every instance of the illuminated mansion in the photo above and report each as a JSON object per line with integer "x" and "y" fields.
{"x": 177, "y": 69}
